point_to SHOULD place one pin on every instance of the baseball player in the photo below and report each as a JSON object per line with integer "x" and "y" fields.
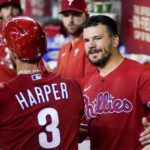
{"x": 8, "y": 9}
{"x": 117, "y": 96}
{"x": 72, "y": 59}
{"x": 39, "y": 110}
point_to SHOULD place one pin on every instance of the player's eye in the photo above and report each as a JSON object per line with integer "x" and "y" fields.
{"x": 98, "y": 38}
{"x": 86, "y": 40}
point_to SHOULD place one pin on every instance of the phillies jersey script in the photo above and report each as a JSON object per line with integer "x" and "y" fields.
{"x": 115, "y": 105}
{"x": 40, "y": 112}
{"x": 72, "y": 61}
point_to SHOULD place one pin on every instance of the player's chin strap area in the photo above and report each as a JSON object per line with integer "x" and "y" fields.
{"x": 42, "y": 67}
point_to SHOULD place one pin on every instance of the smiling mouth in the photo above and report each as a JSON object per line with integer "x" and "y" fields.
{"x": 94, "y": 51}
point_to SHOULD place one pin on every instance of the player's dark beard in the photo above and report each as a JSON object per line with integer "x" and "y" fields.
{"x": 78, "y": 32}
{"x": 100, "y": 62}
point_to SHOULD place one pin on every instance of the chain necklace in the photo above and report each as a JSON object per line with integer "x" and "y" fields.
{"x": 28, "y": 71}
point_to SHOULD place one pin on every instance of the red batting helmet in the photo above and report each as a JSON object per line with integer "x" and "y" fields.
{"x": 25, "y": 37}
{"x": 73, "y": 5}
{"x": 10, "y": 2}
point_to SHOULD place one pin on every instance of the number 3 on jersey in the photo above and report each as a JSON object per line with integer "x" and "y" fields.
{"x": 53, "y": 128}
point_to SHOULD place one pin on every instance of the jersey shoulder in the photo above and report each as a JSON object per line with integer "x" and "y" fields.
{"x": 132, "y": 65}
{"x": 67, "y": 79}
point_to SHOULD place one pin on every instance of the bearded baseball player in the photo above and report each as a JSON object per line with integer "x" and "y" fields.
{"x": 117, "y": 96}
{"x": 39, "y": 110}
{"x": 72, "y": 60}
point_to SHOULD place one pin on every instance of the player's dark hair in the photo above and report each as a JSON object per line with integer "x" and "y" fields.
{"x": 102, "y": 19}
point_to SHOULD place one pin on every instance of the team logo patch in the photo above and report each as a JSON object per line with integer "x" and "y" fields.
{"x": 36, "y": 76}
{"x": 76, "y": 52}
{"x": 63, "y": 54}
{"x": 70, "y": 2}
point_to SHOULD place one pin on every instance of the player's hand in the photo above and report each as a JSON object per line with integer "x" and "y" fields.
{"x": 147, "y": 147}
{"x": 145, "y": 135}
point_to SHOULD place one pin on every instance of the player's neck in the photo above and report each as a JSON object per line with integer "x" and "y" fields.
{"x": 74, "y": 39}
{"x": 112, "y": 64}
{"x": 26, "y": 68}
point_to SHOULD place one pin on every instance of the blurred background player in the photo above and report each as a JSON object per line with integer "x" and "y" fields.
{"x": 33, "y": 113}
{"x": 72, "y": 60}
{"x": 8, "y": 9}
{"x": 117, "y": 97}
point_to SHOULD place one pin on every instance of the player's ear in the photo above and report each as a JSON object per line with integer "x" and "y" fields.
{"x": 14, "y": 55}
{"x": 115, "y": 41}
